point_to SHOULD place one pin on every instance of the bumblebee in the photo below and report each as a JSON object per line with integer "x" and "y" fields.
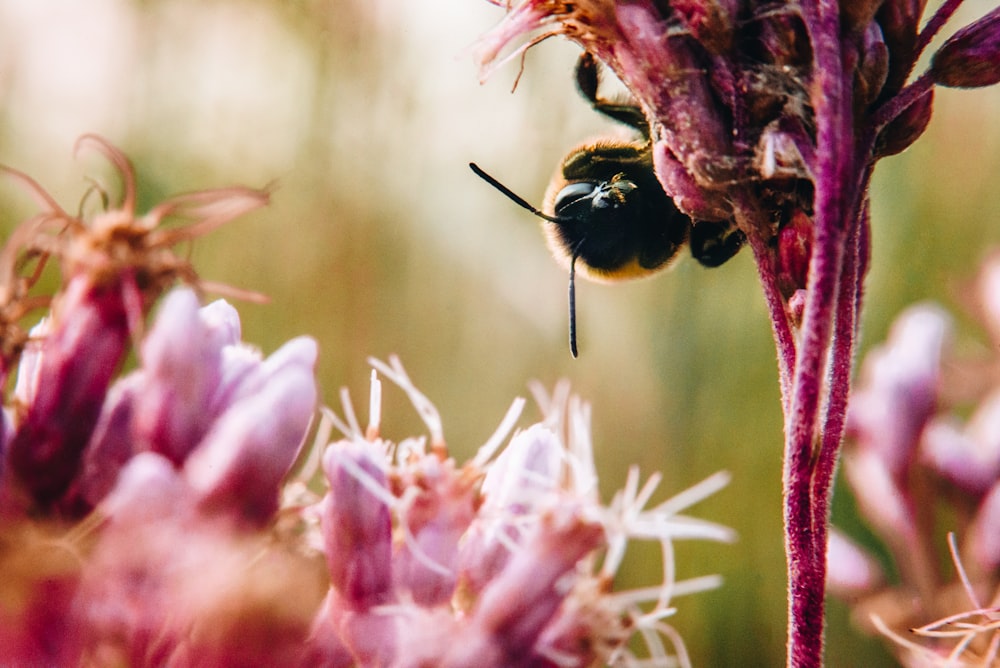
{"x": 609, "y": 213}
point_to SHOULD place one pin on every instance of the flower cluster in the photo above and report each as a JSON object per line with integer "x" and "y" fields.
{"x": 513, "y": 554}
{"x": 149, "y": 519}
{"x": 913, "y": 464}
{"x": 746, "y": 99}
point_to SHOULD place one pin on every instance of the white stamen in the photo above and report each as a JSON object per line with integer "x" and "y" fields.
{"x": 375, "y": 406}
{"x": 493, "y": 443}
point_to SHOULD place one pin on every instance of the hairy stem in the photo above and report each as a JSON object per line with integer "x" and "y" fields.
{"x": 805, "y": 543}
{"x": 784, "y": 339}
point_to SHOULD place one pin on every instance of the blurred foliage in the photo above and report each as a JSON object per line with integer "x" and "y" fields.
{"x": 364, "y": 115}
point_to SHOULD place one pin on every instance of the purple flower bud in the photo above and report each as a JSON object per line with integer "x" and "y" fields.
{"x": 898, "y": 393}
{"x": 251, "y": 447}
{"x": 851, "y": 570}
{"x": 83, "y": 347}
{"x": 873, "y": 66}
{"x": 711, "y": 22}
{"x": 988, "y": 293}
{"x": 357, "y": 531}
{"x": 521, "y": 481}
{"x": 172, "y": 413}
{"x": 883, "y": 503}
{"x": 517, "y": 605}
{"x": 222, "y": 321}
{"x": 111, "y": 446}
{"x": 971, "y": 57}
{"x": 899, "y": 20}
{"x": 524, "y": 473}
{"x": 984, "y": 534}
{"x": 968, "y": 457}
{"x": 436, "y": 517}
{"x": 905, "y": 128}
{"x": 794, "y": 252}
{"x": 244, "y": 375}
{"x": 148, "y": 489}
{"x": 357, "y": 525}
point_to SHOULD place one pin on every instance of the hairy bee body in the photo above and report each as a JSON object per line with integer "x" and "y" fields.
{"x": 613, "y": 234}
{"x": 606, "y": 214}
{"x": 610, "y": 211}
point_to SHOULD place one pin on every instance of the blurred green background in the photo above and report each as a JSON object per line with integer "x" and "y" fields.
{"x": 380, "y": 240}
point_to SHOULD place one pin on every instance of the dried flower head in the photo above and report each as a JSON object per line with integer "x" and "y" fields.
{"x": 115, "y": 249}
{"x": 113, "y": 265}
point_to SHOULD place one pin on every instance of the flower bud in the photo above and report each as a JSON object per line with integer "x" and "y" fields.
{"x": 971, "y": 57}
{"x": 711, "y": 22}
{"x": 357, "y": 525}
{"x": 899, "y": 390}
{"x": 437, "y": 515}
{"x": 77, "y": 358}
{"x": 984, "y": 534}
{"x": 172, "y": 413}
{"x": 251, "y": 447}
{"x": 873, "y": 66}
{"x": 883, "y": 503}
{"x": 147, "y": 490}
{"x": 900, "y": 20}
{"x": 969, "y": 457}
{"x": 851, "y": 570}
{"x": 522, "y": 600}
{"x": 794, "y": 253}
{"x": 905, "y": 128}
{"x": 856, "y": 15}
{"x": 518, "y": 483}
{"x": 111, "y": 446}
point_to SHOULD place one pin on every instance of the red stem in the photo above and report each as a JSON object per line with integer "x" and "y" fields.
{"x": 841, "y": 361}
{"x": 784, "y": 339}
{"x": 805, "y": 544}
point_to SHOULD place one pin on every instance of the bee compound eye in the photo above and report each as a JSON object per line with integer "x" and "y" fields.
{"x": 574, "y": 192}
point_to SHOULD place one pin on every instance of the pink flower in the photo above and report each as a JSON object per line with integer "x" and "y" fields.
{"x": 916, "y": 470}
{"x": 114, "y": 265}
{"x": 149, "y": 519}
{"x": 493, "y": 563}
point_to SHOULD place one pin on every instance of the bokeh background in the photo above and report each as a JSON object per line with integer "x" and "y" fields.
{"x": 364, "y": 115}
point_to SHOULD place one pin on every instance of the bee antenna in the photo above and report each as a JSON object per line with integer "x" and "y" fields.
{"x": 511, "y": 195}
{"x": 572, "y": 305}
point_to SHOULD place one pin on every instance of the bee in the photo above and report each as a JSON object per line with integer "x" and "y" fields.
{"x": 609, "y": 214}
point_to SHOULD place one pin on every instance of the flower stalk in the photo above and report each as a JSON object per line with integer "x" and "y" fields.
{"x": 772, "y": 118}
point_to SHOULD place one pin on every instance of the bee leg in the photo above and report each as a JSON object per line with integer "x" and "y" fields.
{"x": 713, "y": 243}
{"x": 587, "y": 81}
{"x": 572, "y": 308}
